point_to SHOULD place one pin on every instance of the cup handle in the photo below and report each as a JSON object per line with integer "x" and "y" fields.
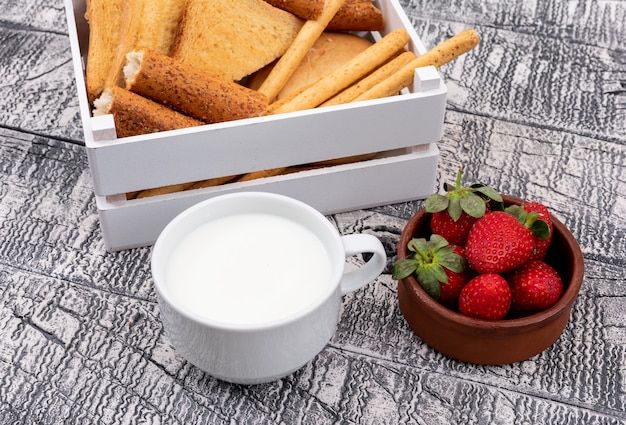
{"x": 358, "y": 244}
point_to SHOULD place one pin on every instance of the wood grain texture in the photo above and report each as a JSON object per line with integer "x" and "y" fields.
{"x": 37, "y": 91}
{"x": 537, "y": 110}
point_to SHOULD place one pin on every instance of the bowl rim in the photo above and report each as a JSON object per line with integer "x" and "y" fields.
{"x": 538, "y": 319}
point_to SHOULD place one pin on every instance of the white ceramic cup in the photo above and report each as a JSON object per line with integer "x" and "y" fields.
{"x": 249, "y": 352}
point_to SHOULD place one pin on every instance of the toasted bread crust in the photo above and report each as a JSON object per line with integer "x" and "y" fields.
{"x": 305, "y": 9}
{"x": 191, "y": 91}
{"x": 135, "y": 115}
{"x": 353, "y": 15}
{"x": 357, "y": 15}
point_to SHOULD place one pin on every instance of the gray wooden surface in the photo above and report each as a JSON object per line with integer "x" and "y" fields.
{"x": 538, "y": 110}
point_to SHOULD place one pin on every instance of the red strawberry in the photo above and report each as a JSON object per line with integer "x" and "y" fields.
{"x": 535, "y": 286}
{"x": 451, "y": 290}
{"x": 541, "y": 244}
{"x": 454, "y": 213}
{"x": 439, "y": 267}
{"x": 455, "y": 232}
{"x": 498, "y": 243}
{"x": 487, "y": 296}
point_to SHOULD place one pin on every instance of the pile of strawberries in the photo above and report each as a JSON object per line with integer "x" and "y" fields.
{"x": 482, "y": 258}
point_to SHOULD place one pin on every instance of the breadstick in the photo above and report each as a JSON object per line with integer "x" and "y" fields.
{"x": 188, "y": 90}
{"x": 392, "y": 85}
{"x": 437, "y": 56}
{"x": 450, "y": 49}
{"x": 371, "y": 80}
{"x": 134, "y": 114}
{"x": 348, "y": 73}
{"x": 288, "y": 63}
{"x": 282, "y": 101}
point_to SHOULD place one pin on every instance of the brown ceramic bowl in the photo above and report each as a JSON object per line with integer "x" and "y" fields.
{"x": 491, "y": 342}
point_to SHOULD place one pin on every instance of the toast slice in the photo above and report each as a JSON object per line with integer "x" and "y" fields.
{"x": 104, "y": 18}
{"x": 145, "y": 24}
{"x": 233, "y": 39}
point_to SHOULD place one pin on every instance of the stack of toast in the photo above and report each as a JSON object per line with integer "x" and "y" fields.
{"x": 220, "y": 38}
{"x": 171, "y": 64}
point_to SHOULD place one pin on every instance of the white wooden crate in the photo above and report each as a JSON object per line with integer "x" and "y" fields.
{"x": 403, "y": 128}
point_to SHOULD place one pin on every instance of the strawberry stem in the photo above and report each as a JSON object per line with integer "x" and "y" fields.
{"x": 471, "y": 200}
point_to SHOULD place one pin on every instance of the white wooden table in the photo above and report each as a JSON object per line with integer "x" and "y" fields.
{"x": 538, "y": 111}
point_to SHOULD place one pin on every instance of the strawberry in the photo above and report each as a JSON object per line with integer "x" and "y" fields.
{"x": 451, "y": 289}
{"x": 535, "y": 286}
{"x": 455, "y": 232}
{"x": 487, "y": 296}
{"x": 541, "y": 244}
{"x": 454, "y": 213}
{"x": 498, "y": 243}
{"x": 439, "y": 268}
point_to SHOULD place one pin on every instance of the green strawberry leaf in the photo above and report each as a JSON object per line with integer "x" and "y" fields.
{"x": 528, "y": 219}
{"x": 473, "y": 205}
{"x": 457, "y": 199}
{"x": 518, "y": 212}
{"x": 417, "y": 244}
{"x": 435, "y": 203}
{"x": 429, "y": 282}
{"x": 454, "y": 262}
{"x": 429, "y": 262}
{"x": 438, "y": 242}
{"x": 439, "y": 273}
{"x": 444, "y": 251}
{"x": 403, "y": 268}
{"x": 454, "y": 208}
{"x": 489, "y": 192}
{"x": 540, "y": 229}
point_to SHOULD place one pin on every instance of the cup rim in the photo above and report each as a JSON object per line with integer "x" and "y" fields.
{"x": 164, "y": 295}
